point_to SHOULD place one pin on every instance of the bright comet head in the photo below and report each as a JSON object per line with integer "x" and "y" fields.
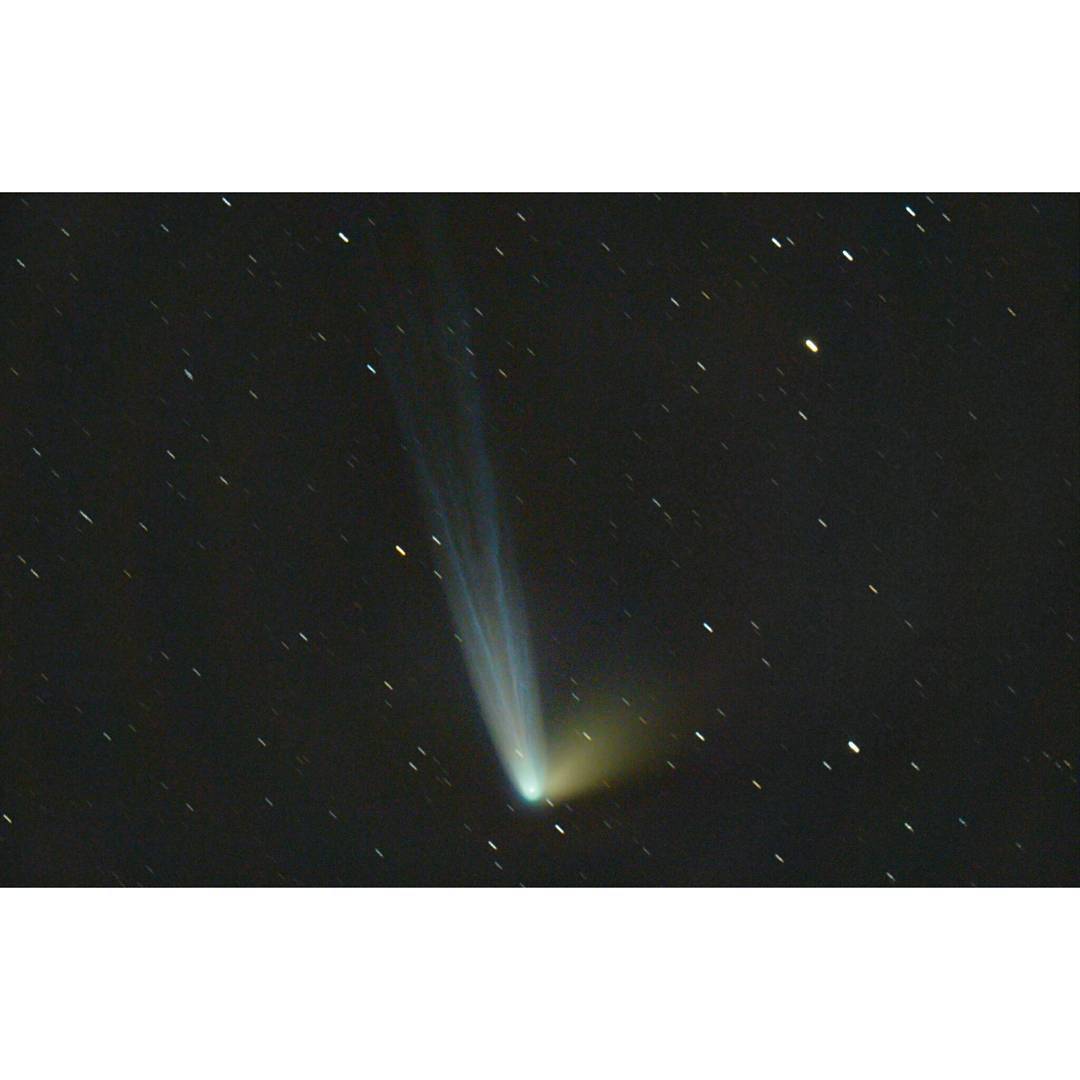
{"x": 531, "y": 790}
{"x": 527, "y": 779}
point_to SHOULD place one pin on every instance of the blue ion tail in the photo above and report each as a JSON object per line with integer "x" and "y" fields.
{"x": 487, "y": 606}
{"x": 436, "y": 391}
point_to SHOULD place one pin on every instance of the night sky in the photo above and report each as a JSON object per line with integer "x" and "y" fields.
{"x": 791, "y": 482}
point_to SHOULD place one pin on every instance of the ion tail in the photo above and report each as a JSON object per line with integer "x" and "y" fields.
{"x": 436, "y": 384}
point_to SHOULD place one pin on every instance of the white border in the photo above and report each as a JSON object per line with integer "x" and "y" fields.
{"x": 560, "y": 96}
{"x": 538, "y": 983}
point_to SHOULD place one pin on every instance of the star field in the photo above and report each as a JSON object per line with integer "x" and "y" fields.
{"x": 792, "y": 484}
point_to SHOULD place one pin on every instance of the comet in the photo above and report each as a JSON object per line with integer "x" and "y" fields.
{"x": 436, "y": 379}
{"x": 433, "y": 373}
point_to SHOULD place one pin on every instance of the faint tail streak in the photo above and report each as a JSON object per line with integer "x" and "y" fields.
{"x": 432, "y": 373}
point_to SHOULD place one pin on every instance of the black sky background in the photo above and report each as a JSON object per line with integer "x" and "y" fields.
{"x": 193, "y": 682}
